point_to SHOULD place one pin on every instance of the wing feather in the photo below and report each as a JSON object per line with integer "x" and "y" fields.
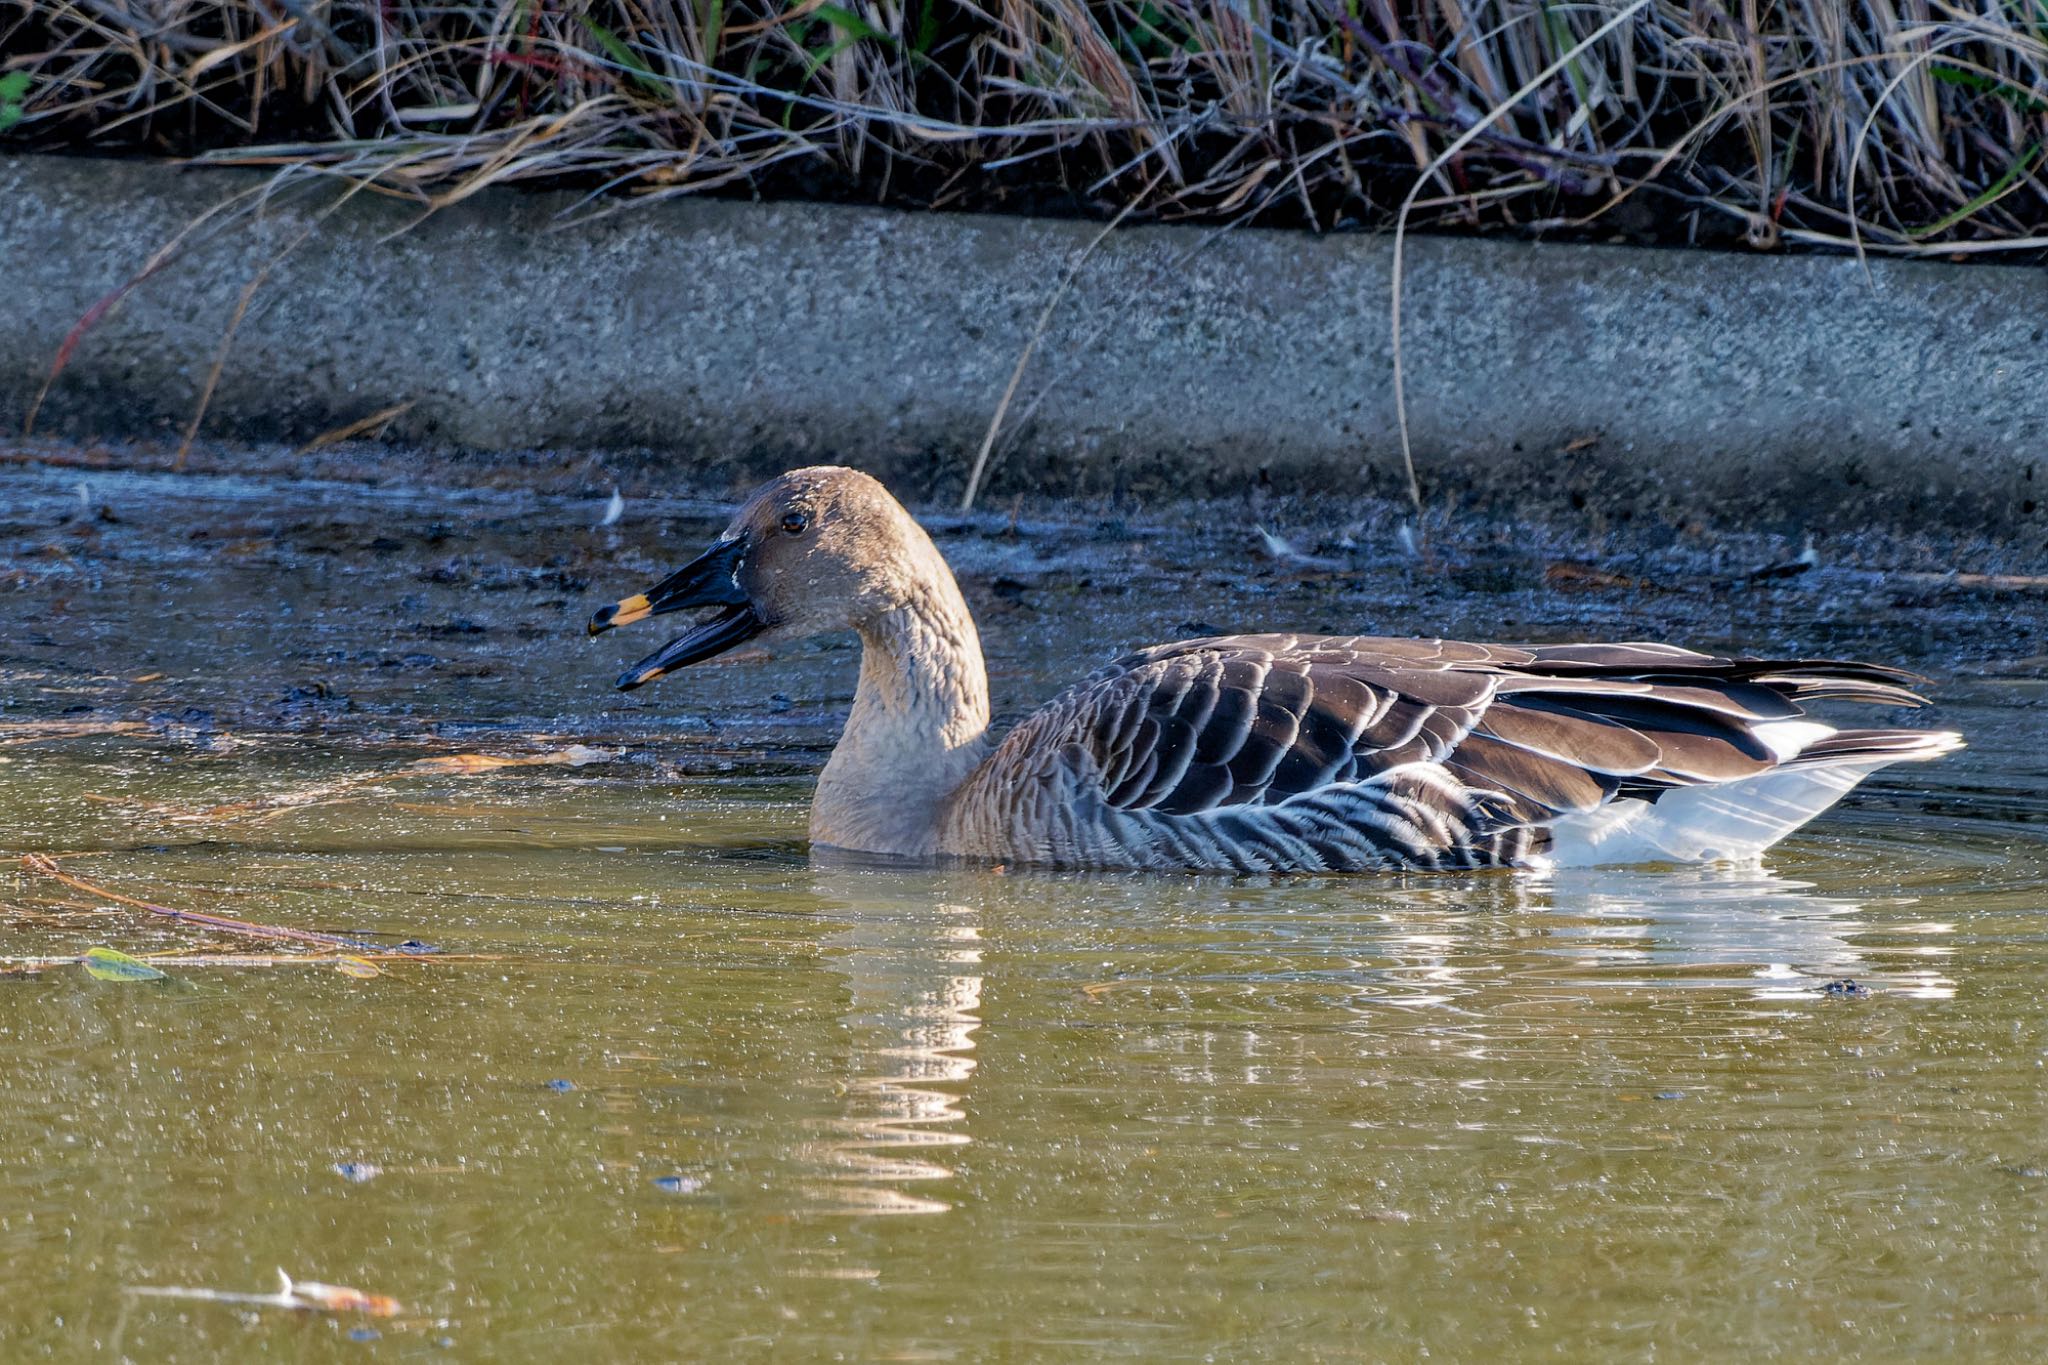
{"x": 1346, "y": 752}
{"x": 1539, "y": 786}
{"x": 1580, "y": 739}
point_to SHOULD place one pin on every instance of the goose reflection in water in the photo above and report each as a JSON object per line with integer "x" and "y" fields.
{"x": 913, "y": 977}
{"x": 1453, "y": 944}
{"x": 1734, "y": 925}
{"x": 1468, "y": 947}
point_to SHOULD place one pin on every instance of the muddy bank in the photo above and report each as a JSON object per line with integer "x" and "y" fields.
{"x": 214, "y": 608}
{"x": 710, "y": 342}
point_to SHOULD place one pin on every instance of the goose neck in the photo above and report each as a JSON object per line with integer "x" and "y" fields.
{"x": 919, "y": 726}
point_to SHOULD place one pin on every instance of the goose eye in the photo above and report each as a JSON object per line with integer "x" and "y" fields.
{"x": 795, "y": 524}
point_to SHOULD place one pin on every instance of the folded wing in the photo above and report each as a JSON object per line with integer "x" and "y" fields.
{"x": 1252, "y": 752}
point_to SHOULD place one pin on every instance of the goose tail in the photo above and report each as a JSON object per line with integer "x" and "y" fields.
{"x": 1874, "y": 748}
{"x": 1736, "y": 821}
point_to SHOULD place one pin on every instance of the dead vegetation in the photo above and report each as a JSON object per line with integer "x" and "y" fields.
{"x": 1905, "y": 125}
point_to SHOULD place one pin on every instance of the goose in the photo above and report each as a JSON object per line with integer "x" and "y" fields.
{"x": 1264, "y": 753}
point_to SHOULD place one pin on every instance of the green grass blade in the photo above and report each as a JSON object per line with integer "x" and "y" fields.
{"x": 624, "y": 56}
{"x": 1994, "y": 192}
{"x": 851, "y": 24}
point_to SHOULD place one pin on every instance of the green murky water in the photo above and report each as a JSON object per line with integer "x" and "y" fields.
{"x": 842, "y": 1111}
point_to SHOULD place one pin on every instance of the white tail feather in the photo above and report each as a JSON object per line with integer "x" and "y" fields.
{"x": 1727, "y": 821}
{"x": 1785, "y": 738}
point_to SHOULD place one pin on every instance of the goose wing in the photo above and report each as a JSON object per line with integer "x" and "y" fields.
{"x": 1343, "y": 752}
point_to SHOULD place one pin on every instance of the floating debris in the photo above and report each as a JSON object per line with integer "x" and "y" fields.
{"x": 613, "y": 510}
{"x": 105, "y": 964}
{"x": 348, "y": 966}
{"x": 302, "y": 1295}
{"x": 1846, "y": 989}
{"x": 342, "y": 791}
{"x": 678, "y": 1184}
{"x": 357, "y": 1172}
{"x": 560, "y": 1087}
{"x": 1280, "y": 551}
{"x": 1574, "y": 577}
{"x": 258, "y": 810}
{"x": 573, "y": 756}
{"x": 15, "y": 732}
{"x": 1805, "y": 561}
{"x": 44, "y": 865}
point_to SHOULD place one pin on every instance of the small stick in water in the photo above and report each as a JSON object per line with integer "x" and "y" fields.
{"x": 46, "y": 866}
{"x": 303, "y": 1295}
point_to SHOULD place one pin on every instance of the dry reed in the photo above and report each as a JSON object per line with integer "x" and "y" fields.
{"x": 1905, "y": 125}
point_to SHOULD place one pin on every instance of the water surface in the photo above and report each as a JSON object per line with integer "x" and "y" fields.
{"x": 672, "y": 1089}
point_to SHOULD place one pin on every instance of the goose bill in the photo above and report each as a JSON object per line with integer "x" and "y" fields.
{"x": 734, "y": 625}
{"x": 710, "y": 580}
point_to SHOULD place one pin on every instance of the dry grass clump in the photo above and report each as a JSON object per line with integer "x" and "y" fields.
{"x": 1906, "y": 124}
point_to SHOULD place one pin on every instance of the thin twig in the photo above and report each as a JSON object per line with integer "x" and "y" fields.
{"x": 248, "y": 295}
{"x": 45, "y": 866}
{"x": 160, "y": 258}
{"x": 995, "y": 423}
{"x": 375, "y": 422}
{"x": 1463, "y": 141}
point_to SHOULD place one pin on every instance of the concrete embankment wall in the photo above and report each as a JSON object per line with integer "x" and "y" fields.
{"x": 727, "y": 338}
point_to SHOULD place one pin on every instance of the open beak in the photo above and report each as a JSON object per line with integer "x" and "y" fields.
{"x": 710, "y": 580}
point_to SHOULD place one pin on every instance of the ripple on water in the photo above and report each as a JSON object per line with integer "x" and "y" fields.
{"x": 1601, "y": 1114}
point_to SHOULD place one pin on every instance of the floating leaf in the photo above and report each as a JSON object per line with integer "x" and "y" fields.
{"x": 104, "y": 964}
{"x": 357, "y": 967}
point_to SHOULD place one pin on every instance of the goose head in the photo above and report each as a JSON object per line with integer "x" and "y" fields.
{"x": 813, "y": 551}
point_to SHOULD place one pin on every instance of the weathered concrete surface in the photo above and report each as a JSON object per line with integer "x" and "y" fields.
{"x": 727, "y": 338}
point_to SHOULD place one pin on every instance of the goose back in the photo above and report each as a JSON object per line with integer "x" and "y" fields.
{"x": 1309, "y": 753}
